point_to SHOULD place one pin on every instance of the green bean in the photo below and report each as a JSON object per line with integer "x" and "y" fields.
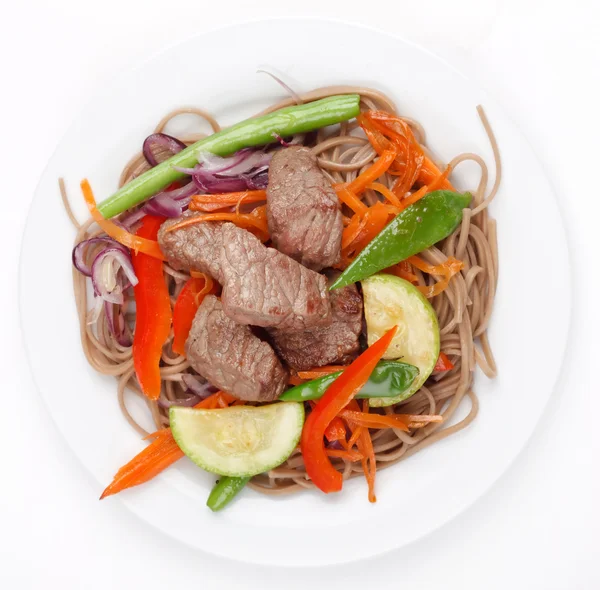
{"x": 415, "y": 229}
{"x": 252, "y": 132}
{"x": 388, "y": 379}
{"x": 224, "y": 491}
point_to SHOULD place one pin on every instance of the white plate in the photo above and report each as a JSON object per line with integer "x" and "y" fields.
{"x": 414, "y": 497}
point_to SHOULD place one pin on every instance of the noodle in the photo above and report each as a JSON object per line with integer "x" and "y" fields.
{"x": 463, "y": 309}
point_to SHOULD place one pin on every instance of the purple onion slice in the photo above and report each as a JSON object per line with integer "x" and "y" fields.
{"x": 158, "y": 144}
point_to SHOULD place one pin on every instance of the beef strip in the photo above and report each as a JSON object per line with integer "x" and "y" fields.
{"x": 263, "y": 287}
{"x": 334, "y": 344}
{"x": 196, "y": 247}
{"x": 303, "y": 211}
{"x": 231, "y": 357}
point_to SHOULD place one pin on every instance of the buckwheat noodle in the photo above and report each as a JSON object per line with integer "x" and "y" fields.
{"x": 463, "y": 309}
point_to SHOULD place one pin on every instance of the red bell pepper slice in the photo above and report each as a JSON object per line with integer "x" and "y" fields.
{"x": 185, "y": 309}
{"x": 339, "y": 394}
{"x": 153, "y": 312}
{"x": 443, "y": 363}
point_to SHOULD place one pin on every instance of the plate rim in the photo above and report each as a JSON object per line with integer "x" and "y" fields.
{"x": 244, "y": 23}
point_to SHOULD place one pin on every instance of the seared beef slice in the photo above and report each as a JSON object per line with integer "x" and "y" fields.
{"x": 327, "y": 345}
{"x": 196, "y": 247}
{"x": 303, "y": 211}
{"x": 231, "y": 357}
{"x": 263, "y": 287}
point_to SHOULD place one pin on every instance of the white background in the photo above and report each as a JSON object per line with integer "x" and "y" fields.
{"x": 539, "y": 527}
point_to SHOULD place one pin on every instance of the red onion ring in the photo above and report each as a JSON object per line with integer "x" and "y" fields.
{"x": 161, "y": 141}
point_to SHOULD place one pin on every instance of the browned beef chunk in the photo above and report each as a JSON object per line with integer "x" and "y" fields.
{"x": 197, "y": 247}
{"x": 263, "y": 287}
{"x": 333, "y": 344}
{"x": 303, "y": 211}
{"x": 231, "y": 357}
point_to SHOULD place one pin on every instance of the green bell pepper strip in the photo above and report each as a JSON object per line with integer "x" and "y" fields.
{"x": 251, "y": 132}
{"x": 418, "y": 227}
{"x": 224, "y": 491}
{"x": 389, "y": 379}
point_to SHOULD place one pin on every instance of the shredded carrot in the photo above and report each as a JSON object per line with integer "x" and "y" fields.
{"x": 350, "y": 199}
{"x": 137, "y": 243}
{"x": 368, "y": 420}
{"x": 349, "y": 455}
{"x": 447, "y": 270}
{"x": 255, "y": 221}
{"x": 372, "y": 173}
{"x": 437, "y": 183}
{"x": 222, "y": 200}
{"x": 295, "y": 380}
{"x": 443, "y": 363}
{"x": 336, "y": 430}
{"x": 386, "y": 192}
{"x": 377, "y": 421}
{"x": 404, "y": 271}
{"x": 158, "y": 455}
{"x": 358, "y": 235}
{"x": 430, "y": 172}
{"x": 320, "y": 371}
{"x": 220, "y": 399}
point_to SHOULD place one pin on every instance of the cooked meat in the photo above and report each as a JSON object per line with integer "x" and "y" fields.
{"x": 334, "y": 344}
{"x": 263, "y": 287}
{"x": 231, "y": 357}
{"x": 196, "y": 247}
{"x": 303, "y": 211}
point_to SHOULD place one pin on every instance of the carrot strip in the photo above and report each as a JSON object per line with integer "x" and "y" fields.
{"x": 377, "y": 421}
{"x": 386, "y": 192}
{"x": 231, "y": 199}
{"x": 136, "y": 243}
{"x": 350, "y": 199}
{"x": 349, "y": 455}
{"x": 320, "y": 371}
{"x": 368, "y": 462}
{"x": 404, "y": 271}
{"x": 372, "y": 173}
{"x": 257, "y": 220}
{"x": 437, "y": 183}
{"x": 336, "y": 430}
{"x": 447, "y": 270}
{"x": 158, "y": 455}
{"x": 429, "y": 172}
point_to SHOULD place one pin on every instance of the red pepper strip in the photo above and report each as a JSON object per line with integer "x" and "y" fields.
{"x": 185, "y": 309}
{"x": 443, "y": 363}
{"x": 341, "y": 391}
{"x": 153, "y": 312}
{"x": 336, "y": 430}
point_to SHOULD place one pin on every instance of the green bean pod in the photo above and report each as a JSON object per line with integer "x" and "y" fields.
{"x": 224, "y": 491}
{"x": 251, "y": 132}
{"x": 389, "y": 379}
{"x": 418, "y": 227}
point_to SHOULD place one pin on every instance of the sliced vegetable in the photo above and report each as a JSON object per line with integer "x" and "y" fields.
{"x": 415, "y": 229}
{"x": 157, "y": 456}
{"x": 388, "y": 379}
{"x": 225, "y": 490}
{"x": 153, "y": 313}
{"x": 443, "y": 364}
{"x": 185, "y": 309}
{"x": 392, "y": 301}
{"x": 252, "y": 132}
{"x": 135, "y": 242}
{"x": 339, "y": 394}
{"x": 240, "y": 441}
{"x": 210, "y": 203}
{"x": 447, "y": 269}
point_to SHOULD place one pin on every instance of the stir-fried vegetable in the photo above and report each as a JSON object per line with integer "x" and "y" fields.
{"x": 388, "y": 379}
{"x": 135, "y": 242}
{"x": 391, "y": 301}
{"x": 153, "y": 313}
{"x": 238, "y": 441}
{"x": 156, "y": 457}
{"x": 252, "y": 132}
{"x": 443, "y": 364}
{"x": 339, "y": 394}
{"x": 415, "y": 229}
{"x": 210, "y": 203}
{"x": 225, "y": 490}
{"x": 185, "y": 309}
